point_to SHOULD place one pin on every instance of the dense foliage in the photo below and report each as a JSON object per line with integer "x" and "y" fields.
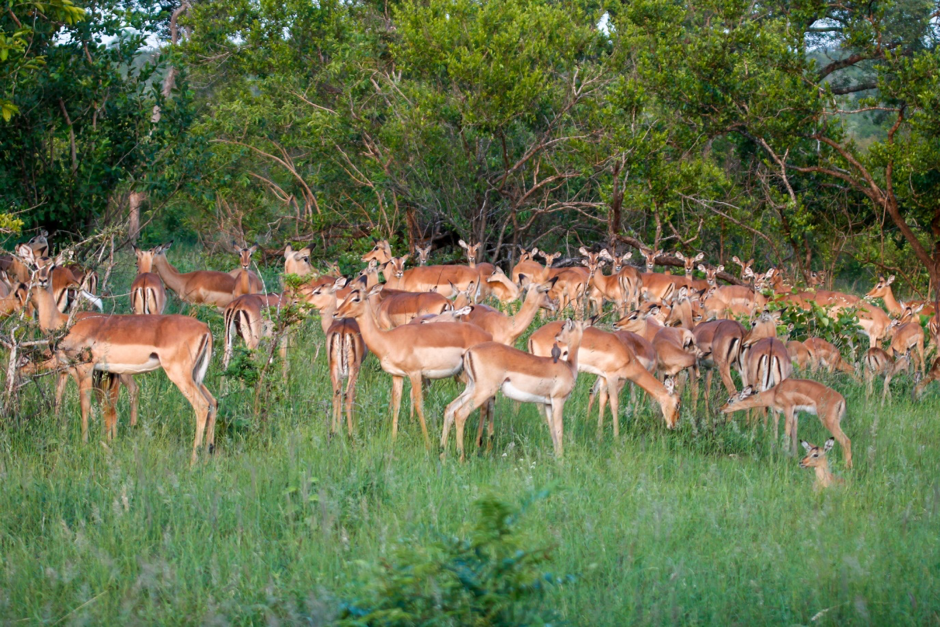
{"x": 803, "y": 133}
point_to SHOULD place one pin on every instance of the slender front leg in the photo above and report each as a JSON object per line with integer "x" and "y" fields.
{"x": 557, "y": 406}
{"x": 396, "y": 401}
{"x": 419, "y": 408}
{"x": 613, "y": 390}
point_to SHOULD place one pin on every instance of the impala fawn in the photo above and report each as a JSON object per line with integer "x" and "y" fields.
{"x": 817, "y": 459}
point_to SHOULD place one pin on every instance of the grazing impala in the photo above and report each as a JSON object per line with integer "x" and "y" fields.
{"x": 932, "y": 375}
{"x": 817, "y": 459}
{"x": 126, "y": 345}
{"x": 202, "y": 287}
{"x": 432, "y": 351}
{"x": 908, "y": 338}
{"x": 877, "y": 362}
{"x": 148, "y": 295}
{"x": 491, "y": 367}
{"x": 245, "y": 317}
{"x": 720, "y": 342}
{"x": 609, "y": 358}
{"x": 505, "y": 290}
{"x": 826, "y": 355}
{"x": 796, "y": 395}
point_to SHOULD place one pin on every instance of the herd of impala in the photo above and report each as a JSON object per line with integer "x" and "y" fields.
{"x": 429, "y": 322}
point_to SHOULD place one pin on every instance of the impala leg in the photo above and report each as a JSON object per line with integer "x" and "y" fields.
{"x": 62, "y": 380}
{"x": 613, "y": 389}
{"x": 417, "y": 404}
{"x": 844, "y": 442}
{"x": 229, "y": 342}
{"x": 337, "y": 384}
{"x": 83, "y": 376}
{"x": 490, "y": 430}
{"x": 557, "y": 406}
{"x": 708, "y": 396}
{"x": 351, "y": 398}
{"x": 111, "y": 407}
{"x": 886, "y": 392}
{"x": 868, "y": 375}
{"x": 449, "y": 413}
{"x": 133, "y": 392}
{"x": 199, "y": 398}
{"x": 396, "y": 402}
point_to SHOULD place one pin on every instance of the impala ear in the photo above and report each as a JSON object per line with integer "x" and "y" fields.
{"x": 288, "y": 251}
{"x": 340, "y": 283}
{"x": 807, "y": 446}
{"x": 463, "y": 311}
{"x": 700, "y": 257}
{"x": 585, "y": 263}
{"x": 670, "y": 385}
{"x": 719, "y": 269}
{"x": 604, "y": 254}
{"x": 680, "y": 256}
{"x": 828, "y": 445}
{"x": 462, "y": 244}
{"x": 890, "y": 279}
{"x": 254, "y": 247}
{"x": 701, "y": 268}
{"x": 583, "y": 251}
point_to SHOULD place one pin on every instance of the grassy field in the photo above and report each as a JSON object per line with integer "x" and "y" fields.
{"x": 711, "y": 524}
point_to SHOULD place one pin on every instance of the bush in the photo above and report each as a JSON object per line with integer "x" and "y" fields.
{"x": 488, "y": 578}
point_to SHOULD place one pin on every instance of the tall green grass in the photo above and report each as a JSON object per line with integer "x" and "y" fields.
{"x": 710, "y": 524}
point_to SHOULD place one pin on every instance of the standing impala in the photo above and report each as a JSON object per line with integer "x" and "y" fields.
{"x": 123, "y": 345}
{"x": 148, "y": 295}
{"x": 413, "y": 351}
{"x": 202, "y": 287}
{"x": 795, "y": 395}
{"x": 877, "y": 362}
{"x": 507, "y": 329}
{"x": 491, "y": 367}
{"x": 345, "y": 350}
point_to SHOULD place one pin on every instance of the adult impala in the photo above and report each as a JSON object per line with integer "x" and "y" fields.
{"x": 148, "y": 296}
{"x": 125, "y": 345}
{"x": 431, "y": 351}
{"x": 605, "y": 355}
{"x": 796, "y": 395}
{"x": 491, "y": 367}
{"x": 201, "y": 287}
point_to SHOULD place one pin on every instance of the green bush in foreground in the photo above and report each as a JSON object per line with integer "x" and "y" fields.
{"x": 487, "y": 578}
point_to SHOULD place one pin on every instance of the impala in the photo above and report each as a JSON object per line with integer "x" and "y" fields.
{"x": 612, "y": 360}
{"x": 877, "y": 362}
{"x": 247, "y": 282}
{"x": 883, "y": 290}
{"x": 932, "y": 375}
{"x": 602, "y": 287}
{"x": 202, "y": 287}
{"x": 345, "y": 351}
{"x": 125, "y": 345}
{"x": 245, "y": 317}
{"x": 796, "y": 395}
{"x": 297, "y": 262}
{"x": 507, "y": 329}
{"x": 826, "y": 355}
{"x": 423, "y": 253}
{"x": 817, "y": 459}
{"x": 395, "y": 308}
{"x": 432, "y": 351}
{"x": 908, "y": 338}
{"x": 747, "y": 272}
{"x": 505, "y": 290}
{"x": 491, "y": 367}
{"x": 720, "y": 342}
{"x": 528, "y": 266}
{"x": 148, "y": 296}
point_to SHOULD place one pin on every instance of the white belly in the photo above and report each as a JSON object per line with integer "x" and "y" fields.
{"x": 810, "y": 409}
{"x": 520, "y": 395}
{"x": 148, "y": 366}
{"x": 442, "y": 374}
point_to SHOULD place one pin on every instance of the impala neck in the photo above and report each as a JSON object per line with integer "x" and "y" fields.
{"x": 145, "y": 265}
{"x": 169, "y": 274}
{"x": 50, "y": 318}
{"x": 244, "y": 285}
{"x": 762, "y": 399}
{"x": 890, "y": 303}
{"x": 373, "y": 336}
{"x": 520, "y": 321}
{"x": 824, "y": 476}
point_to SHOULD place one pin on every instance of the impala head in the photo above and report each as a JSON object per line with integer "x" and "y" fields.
{"x": 730, "y": 405}
{"x": 882, "y": 289}
{"x": 747, "y": 272}
{"x": 381, "y": 252}
{"x": 464, "y": 296}
{"x": 297, "y": 261}
{"x": 689, "y": 262}
{"x": 528, "y": 255}
{"x": 711, "y": 273}
{"x": 39, "y": 244}
{"x": 592, "y": 261}
{"x": 245, "y": 254}
{"x": 762, "y": 281}
{"x": 472, "y": 252}
{"x": 161, "y": 251}
{"x": 618, "y": 263}
{"x": 355, "y": 303}
{"x": 909, "y": 311}
{"x": 650, "y": 258}
{"x": 816, "y": 456}
{"x": 145, "y": 259}
{"x": 550, "y": 258}
{"x": 570, "y": 333}
{"x": 817, "y": 278}
{"x": 25, "y": 253}
{"x": 396, "y": 266}
{"x": 322, "y": 293}
{"x": 423, "y": 252}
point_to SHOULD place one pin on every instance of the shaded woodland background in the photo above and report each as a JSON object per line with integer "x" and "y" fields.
{"x": 801, "y": 132}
